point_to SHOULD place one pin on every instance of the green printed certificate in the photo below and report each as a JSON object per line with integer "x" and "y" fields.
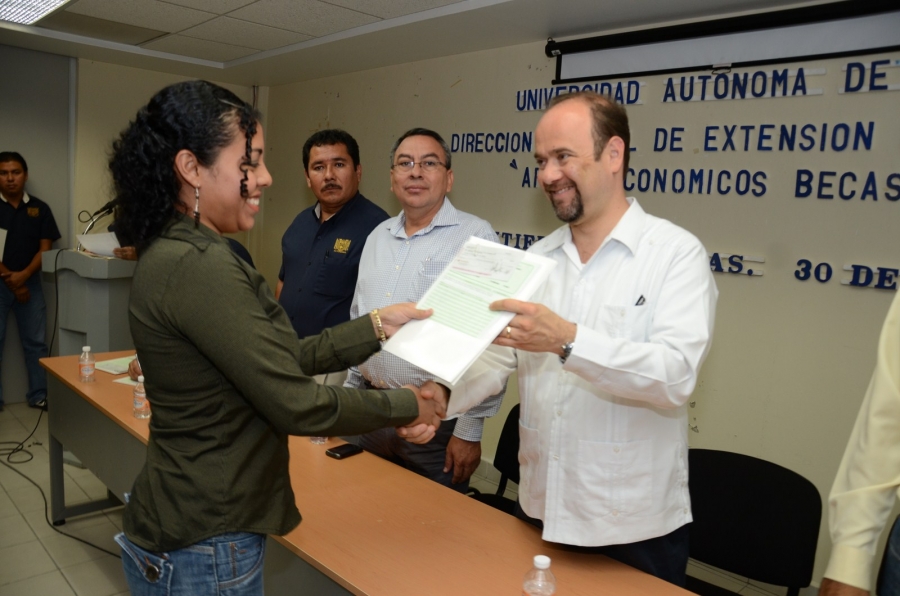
{"x": 462, "y": 325}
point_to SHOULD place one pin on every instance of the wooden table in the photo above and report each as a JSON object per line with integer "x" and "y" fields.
{"x": 94, "y": 421}
{"x": 369, "y": 527}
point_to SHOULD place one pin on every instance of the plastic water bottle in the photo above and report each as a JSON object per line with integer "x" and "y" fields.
{"x": 141, "y": 405}
{"x": 540, "y": 580}
{"x": 86, "y": 365}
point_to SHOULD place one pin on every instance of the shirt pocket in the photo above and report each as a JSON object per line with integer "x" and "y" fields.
{"x": 429, "y": 270}
{"x": 625, "y": 322}
{"x": 337, "y": 276}
{"x": 614, "y": 478}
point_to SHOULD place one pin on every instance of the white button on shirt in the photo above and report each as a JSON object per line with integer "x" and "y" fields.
{"x": 644, "y": 304}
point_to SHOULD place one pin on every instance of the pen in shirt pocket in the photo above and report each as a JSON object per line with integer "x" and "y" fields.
{"x": 640, "y": 301}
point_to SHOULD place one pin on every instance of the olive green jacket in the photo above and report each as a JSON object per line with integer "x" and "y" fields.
{"x": 228, "y": 381}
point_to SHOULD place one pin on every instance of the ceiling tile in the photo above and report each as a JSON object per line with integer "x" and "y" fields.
{"x": 198, "y": 48}
{"x": 216, "y": 6}
{"x": 79, "y": 24}
{"x": 151, "y": 14}
{"x": 303, "y": 16}
{"x": 244, "y": 33}
{"x": 389, "y": 9}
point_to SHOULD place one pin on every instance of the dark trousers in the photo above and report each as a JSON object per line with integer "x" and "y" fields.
{"x": 889, "y": 573}
{"x": 665, "y": 557}
{"x": 31, "y": 319}
{"x": 426, "y": 460}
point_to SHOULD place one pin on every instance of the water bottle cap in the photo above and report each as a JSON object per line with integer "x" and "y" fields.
{"x": 542, "y": 561}
{"x": 86, "y": 348}
{"x": 140, "y": 378}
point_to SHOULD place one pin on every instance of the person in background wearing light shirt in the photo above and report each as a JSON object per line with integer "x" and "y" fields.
{"x": 867, "y": 482}
{"x": 402, "y": 258}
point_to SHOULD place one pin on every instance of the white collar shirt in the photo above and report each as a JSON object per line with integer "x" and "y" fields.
{"x": 603, "y": 438}
{"x": 25, "y": 198}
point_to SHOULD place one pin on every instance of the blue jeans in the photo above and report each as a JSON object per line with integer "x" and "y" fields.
{"x": 889, "y": 574}
{"x": 31, "y": 319}
{"x": 665, "y": 557}
{"x": 224, "y": 565}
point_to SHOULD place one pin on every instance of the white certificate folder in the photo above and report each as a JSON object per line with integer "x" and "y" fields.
{"x": 462, "y": 325}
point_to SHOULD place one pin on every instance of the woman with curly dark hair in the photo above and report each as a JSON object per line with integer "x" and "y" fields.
{"x": 227, "y": 378}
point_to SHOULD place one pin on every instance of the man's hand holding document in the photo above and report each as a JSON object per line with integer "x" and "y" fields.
{"x": 463, "y": 325}
{"x": 101, "y": 244}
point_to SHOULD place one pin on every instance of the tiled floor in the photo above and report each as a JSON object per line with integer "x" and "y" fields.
{"x": 34, "y": 559}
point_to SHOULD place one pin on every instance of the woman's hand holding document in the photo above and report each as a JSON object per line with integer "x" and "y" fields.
{"x": 463, "y": 325}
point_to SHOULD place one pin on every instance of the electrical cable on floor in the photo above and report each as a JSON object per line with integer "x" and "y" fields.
{"x": 20, "y": 448}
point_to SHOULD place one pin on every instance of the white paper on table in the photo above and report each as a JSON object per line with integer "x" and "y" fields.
{"x": 99, "y": 244}
{"x": 462, "y": 325}
{"x": 116, "y": 366}
{"x": 126, "y": 381}
{"x": 2, "y": 242}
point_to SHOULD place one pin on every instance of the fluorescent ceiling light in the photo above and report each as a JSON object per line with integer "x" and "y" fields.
{"x": 26, "y": 12}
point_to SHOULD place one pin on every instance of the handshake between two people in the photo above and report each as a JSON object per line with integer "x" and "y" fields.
{"x": 432, "y": 399}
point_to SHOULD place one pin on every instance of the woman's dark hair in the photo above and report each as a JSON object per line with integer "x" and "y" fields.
{"x": 194, "y": 115}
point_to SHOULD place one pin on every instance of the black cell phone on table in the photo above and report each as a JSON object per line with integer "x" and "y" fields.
{"x": 344, "y": 451}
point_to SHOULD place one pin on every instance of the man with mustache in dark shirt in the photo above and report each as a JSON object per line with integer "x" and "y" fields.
{"x": 321, "y": 248}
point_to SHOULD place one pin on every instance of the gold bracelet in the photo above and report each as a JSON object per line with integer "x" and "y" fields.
{"x": 381, "y": 334}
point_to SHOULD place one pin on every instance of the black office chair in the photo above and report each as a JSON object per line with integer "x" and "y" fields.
{"x": 507, "y": 463}
{"x": 752, "y": 518}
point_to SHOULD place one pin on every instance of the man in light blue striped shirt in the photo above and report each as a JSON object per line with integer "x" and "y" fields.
{"x": 402, "y": 258}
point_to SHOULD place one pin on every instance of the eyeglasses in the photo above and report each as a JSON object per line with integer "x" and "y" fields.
{"x": 428, "y": 165}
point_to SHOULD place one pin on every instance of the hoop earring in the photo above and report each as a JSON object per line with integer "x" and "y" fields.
{"x": 196, "y": 207}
